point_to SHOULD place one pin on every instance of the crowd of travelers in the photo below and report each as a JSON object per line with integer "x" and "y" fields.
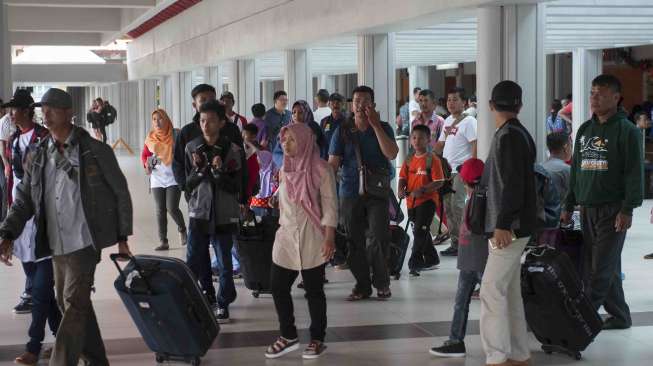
{"x": 325, "y": 177}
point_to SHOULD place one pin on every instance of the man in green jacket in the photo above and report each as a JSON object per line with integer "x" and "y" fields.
{"x": 607, "y": 181}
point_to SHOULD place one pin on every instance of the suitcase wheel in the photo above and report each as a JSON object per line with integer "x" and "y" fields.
{"x": 255, "y": 294}
{"x": 161, "y": 358}
{"x": 397, "y": 276}
{"x": 577, "y": 356}
{"x": 195, "y": 361}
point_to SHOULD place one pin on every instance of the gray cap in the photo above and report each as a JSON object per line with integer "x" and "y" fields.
{"x": 55, "y": 98}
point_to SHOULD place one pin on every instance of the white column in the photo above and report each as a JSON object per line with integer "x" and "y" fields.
{"x": 327, "y": 82}
{"x": 248, "y": 90}
{"x": 511, "y": 47}
{"x": 176, "y": 91}
{"x": 5, "y": 55}
{"x": 297, "y": 75}
{"x": 376, "y": 69}
{"x": 418, "y": 76}
{"x": 586, "y": 64}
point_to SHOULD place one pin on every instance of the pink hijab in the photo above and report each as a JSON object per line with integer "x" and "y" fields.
{"x": 303, "y": 173}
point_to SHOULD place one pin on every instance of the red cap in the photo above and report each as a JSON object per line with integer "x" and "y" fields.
{"x": 471, "y": 171}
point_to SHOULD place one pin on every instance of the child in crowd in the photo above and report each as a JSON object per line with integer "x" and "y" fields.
{"x": 306, "y": 239}
{"x": 420, "y": 177}
{"x": 472, "y": 256}
{"x": 213, "y": 178}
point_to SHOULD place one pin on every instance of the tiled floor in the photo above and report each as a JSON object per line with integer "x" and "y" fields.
{"x": 420, "y": 308}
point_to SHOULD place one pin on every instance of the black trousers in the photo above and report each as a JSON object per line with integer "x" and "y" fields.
{"x": 167, "y": 202}
{"x": 281, "y": 281}
{"x": 423, "y": 254}
{"x": 602, "y": 260}
{"x": 366, "y": 222}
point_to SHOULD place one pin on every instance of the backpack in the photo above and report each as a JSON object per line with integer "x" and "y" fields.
{"x": 110, "y": 115}
{"x": 547, "y": 199}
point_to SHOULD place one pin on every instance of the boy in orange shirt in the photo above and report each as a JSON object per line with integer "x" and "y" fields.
{"x": 420, "y": 177}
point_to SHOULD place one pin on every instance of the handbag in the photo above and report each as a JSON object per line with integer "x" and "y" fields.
{"x": 476, "y": 210}
{"x": 373, "y": 182}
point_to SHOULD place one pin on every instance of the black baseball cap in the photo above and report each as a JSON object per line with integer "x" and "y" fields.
{"x": 22, "y": 99}
{"x": 507, "y": 93}
{"x": 55, "y": 98}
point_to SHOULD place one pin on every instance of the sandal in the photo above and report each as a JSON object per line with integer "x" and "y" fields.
{"x": 384, "y": 294}
{"x": 356, "y": 296}
{"x": 281, "y": 346}
{"x": 314, "y": 350}
{"x": 441, "y": 238}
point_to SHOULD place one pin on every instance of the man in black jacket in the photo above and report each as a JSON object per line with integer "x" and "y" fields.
{"x": 509, "y": 222}
{"x": 201, "y": 94}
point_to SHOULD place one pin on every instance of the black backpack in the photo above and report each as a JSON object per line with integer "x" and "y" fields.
{"x": 110, "y": 114}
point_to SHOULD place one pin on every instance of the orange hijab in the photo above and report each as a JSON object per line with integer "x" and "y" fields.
{"x": 160, "y": 141}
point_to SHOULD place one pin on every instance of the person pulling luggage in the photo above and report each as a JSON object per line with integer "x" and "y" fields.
{"x": 306, "y": 239}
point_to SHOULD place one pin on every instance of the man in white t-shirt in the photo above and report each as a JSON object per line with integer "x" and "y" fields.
{"x": 323, "y": 111}
{"x": 457, "y": 144}
{"x": 413, "y": 105}
{"x": 7, "y": 128}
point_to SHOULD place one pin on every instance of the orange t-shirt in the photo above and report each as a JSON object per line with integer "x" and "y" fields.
{"x": 415, "y": 175}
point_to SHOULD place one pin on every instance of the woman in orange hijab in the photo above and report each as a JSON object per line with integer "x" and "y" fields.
{"x": 157, "y": 161}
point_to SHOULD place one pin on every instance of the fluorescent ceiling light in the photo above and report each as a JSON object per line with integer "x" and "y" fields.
{"x": 446, "y": 66}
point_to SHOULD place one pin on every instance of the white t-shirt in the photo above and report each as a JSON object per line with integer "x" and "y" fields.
{"x": 25, "y": 244}
{"x": 6, "y": 128}
{"x": 162, "y": 177}
{"x": 321, "y": 113}
{"x": 458, "y": 140}
{"x": 413, "y": 106}
{"x": 471, "y": 111}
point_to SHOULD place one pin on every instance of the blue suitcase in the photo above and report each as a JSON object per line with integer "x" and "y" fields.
{"x": 170, "y": 311}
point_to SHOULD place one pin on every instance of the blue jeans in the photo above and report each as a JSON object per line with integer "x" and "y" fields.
{"x": 29, "y": 268}
{"x": 199, "y": 261}
{"x": 44, "y": 305}
{"x": 467, "y": 281}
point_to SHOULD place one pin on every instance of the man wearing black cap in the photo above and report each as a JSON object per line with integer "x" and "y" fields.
{"x": 74, "y": 190}
{"x": 228, "y": 101}
{"x": 40, "y": 277}
{"x": 509, "y": 222}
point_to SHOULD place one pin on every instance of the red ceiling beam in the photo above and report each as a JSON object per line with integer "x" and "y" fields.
{"x": 165, "y": 14}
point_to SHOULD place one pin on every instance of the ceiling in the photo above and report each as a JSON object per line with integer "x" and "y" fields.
{"x": 570, "y": 24}
{"x": 593, "y": 24}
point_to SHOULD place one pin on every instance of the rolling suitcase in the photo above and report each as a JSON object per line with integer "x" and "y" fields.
{"x": 399, "y": 241}
{"x": 254, "y": 244}
{"x": 170, "y": 311}
{"x": 557, "y": 310}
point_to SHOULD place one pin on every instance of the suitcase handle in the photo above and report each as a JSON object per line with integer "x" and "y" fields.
{"x": 114, "y": 258}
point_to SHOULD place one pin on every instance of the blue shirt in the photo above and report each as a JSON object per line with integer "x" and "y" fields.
{"x": 559, "y": 125}
{"x": 273, "y": 123}
{"x": 371, "y": 155}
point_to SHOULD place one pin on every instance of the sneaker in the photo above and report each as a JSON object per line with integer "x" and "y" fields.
{"x": 648, "y": 256}
{"x": 164, "y": 246}
{"x": 441, "y": 239}
{"x": 431, "y": 267}
{"x": 222, "y": 315}
{"x": 27, "y": 358}
{"x": 450, "y": 252}
{"x": 449, "y": 349}
{"x": 183, "y": 237}
{"x": 413, "y": 273}
{"x": 314, "y": 350}
{"x": 281, "y": 346}
{"x": 612, "y": 323}
{"x": 342, "y": 267}
{"x": 24, "y": 306}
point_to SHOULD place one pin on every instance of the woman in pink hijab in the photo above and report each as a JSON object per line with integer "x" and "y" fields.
{"x": 306, "y": 239}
